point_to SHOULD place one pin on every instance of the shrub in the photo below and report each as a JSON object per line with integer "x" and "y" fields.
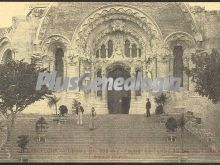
{"x": 181, "y": 122}
{"x": 159, "y": 110}
{"x": 23, "y": 140}
{"x": 171, "y": 124}
{"x": 63, "y": 110}
{"x": 162, "y": 99}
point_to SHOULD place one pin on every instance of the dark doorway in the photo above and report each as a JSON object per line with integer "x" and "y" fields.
{"x": 178, "y": 63}
{"x": 119, "y": 101}
{"x": 59, "y": 65}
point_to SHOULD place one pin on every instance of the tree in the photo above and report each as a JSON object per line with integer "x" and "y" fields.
{"x": 52, "y": 101}
{"x": 206, "y": 74}
{"x": 181, "y": 125}
{"x": 160, "y": 101}
{"x": 17, "y": 89}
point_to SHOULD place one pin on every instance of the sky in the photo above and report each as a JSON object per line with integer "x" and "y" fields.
{"x": 10, "y": 9}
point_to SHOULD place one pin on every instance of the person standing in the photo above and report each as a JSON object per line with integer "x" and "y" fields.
{"x": 79, "y": 112}
{"x": 148, "y": 107}
{"x": 92, "y": 119}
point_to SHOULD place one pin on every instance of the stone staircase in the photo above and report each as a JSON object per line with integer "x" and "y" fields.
{"x": 116, "y": 138}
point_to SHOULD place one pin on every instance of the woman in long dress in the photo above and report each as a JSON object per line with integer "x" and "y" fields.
{"x": 92, "y": 118}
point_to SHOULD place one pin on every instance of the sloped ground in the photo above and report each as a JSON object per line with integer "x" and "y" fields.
{"x": 116, "y": 138}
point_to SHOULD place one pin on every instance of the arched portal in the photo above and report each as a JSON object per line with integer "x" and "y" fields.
{"x": 118, "y": 101}
{"x": 7, "y": 56}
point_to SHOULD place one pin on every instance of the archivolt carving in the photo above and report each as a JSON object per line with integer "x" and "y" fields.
{"x": 129, "y": 34}
{"x": 55, "y": 39}
{"x": 111, "y": 67}
{"x": 181, "y": 38}
{"x": 111, "y": 13}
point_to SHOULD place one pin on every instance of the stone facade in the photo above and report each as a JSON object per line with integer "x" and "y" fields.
{"x": 93, "y": 37}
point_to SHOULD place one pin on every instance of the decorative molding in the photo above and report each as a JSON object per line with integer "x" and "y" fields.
{"x": 179, "y": 38}
{"x": 55, "y": 39}
{"x": 117, "y": 13}
{"x": 124, "y": 65}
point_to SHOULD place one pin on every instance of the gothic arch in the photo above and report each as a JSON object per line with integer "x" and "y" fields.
{"x": 56, "y": 38}
{"x": 53, "y": 45}
{"x": 84, "y": 30}
{"x": 129, "y": 10}
{"x": 5, "y": 47}
{"x": 181, "y": 38}
{"x": 124, "y": 65}
{"x": 181, "y": 45}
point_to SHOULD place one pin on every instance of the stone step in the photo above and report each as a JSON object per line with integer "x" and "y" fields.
{"x": 112, "y": 131}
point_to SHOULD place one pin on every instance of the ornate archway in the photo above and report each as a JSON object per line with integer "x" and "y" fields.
{"x": 55, "y": 52}
{"x": 181, "y": 45}
{"x": 116, "y": 31}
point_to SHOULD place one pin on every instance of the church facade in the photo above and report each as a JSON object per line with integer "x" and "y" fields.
{"x": 112, "y": 39}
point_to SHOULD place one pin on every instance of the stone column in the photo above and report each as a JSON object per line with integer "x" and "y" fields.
{"x": 156, "y": 71}
{"x": 93, "y": 93}
{"x": 104, "y": 92}
{"x": 106, "y": 52}
{"x": 138, "y": 52}
{"x": 133, "y": 74}
{"x": 130, "y": 49}
{"x": 144, "y": 93}
{"x": 99, "y": 53}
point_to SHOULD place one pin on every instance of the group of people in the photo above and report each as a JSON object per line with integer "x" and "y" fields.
{"x": 79, "y": 110}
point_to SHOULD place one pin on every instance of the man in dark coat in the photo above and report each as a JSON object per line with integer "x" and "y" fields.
{"x": 148, "y": 106}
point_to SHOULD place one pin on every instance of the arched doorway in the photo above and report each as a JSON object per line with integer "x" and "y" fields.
{"x": 7, "y": 56}
{"x": 118, "y": 101}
